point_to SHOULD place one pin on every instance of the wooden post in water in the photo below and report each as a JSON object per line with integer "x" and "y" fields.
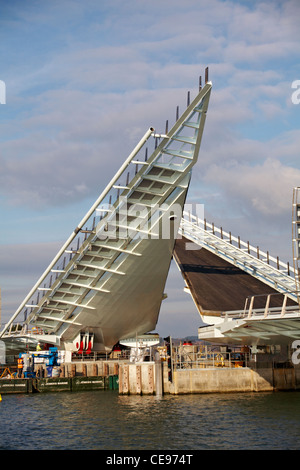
{"x": 138, "y": 380}
{"x": 158, "y": 376}
{"x": 121, "y": 380}
{"x": 125, "y": 381}
{"x": 105, "y": 369}
{"x": 150, "y": 379}
{"x": 95, "y": 370}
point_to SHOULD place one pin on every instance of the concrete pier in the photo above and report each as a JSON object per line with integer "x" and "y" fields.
{"x": 144, "y": 379}
{"x": 138, "y": 379}
{"x": 154, "y": 378}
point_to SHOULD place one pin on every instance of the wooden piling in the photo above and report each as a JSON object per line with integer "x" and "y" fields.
{"x": 138, "y": 380}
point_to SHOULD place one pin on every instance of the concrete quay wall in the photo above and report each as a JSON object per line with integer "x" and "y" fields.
{"x": 220, "y": 381}
{"x": 153, "y": 378}
{"x": 150, "y": 378}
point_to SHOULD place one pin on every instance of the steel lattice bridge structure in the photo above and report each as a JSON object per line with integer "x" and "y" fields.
{"x": 244, "y": 295}
{"x": 107, "y": 281}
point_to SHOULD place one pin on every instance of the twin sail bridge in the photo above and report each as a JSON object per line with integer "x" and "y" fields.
{"x": 243, "y": 294}
{"x": 107, "y": 281}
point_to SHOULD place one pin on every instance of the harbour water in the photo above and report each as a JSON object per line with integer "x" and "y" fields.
{"x": 107, "y": 421}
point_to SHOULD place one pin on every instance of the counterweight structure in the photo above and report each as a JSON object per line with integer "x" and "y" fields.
{"x": 107, "y": 281}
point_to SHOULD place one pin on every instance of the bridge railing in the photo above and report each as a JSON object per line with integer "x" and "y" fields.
{"x": 250, "y": 311}
{"x": 190, "y": 219}
{"x": 202, "y": 357}
{"x": 259, "y": 264}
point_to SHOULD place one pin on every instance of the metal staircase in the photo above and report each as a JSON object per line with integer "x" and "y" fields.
{"x": 250, "y": 259}
{"x": 108, "y": 277}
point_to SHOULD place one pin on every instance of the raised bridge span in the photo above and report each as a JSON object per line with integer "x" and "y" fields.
{"x": 107, "y": 281}
{"x": 243, "y": 294}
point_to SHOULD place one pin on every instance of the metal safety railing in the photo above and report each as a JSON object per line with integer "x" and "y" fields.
{"x": 250, "y": 311}
{"x": 259, "y": 264}
{"x": 199, "y": 357}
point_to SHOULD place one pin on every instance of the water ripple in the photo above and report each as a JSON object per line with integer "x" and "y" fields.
{"x": 105, "y": 420}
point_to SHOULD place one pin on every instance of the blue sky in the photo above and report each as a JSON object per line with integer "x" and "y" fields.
{"x": 84, "y": 80}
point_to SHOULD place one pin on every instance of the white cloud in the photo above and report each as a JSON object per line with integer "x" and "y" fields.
{"x": 91, "y": 95}
{"x": 263, "y": 188}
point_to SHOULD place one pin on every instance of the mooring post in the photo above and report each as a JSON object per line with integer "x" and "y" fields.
{"x": 158, "y": 376}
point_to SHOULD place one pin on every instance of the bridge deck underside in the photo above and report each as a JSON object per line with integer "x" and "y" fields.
{"x": 217, "y": 285}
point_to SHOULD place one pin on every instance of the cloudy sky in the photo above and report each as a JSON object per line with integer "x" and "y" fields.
{"x": 84, "y": 80}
